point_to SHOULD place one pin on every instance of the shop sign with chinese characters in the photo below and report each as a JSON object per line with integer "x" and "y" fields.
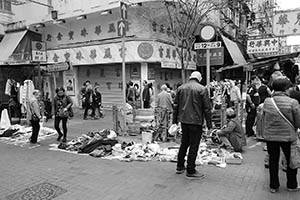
{"x": 265, "y": 45}
{"x": 287, "y": 23}
{"x": 216, "y": 57}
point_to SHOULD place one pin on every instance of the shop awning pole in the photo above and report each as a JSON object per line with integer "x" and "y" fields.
{"x": 208, "y": 70}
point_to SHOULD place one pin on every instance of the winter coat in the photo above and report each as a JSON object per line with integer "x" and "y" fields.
{"x": 192, "y": 104}
{"x": 275, "y": 128}
{"x": 235, "y": 134}
{"x": 164, "y": 100}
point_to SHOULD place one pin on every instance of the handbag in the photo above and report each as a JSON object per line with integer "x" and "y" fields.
{"x": 295, "y": 146}
{"x": 71, "y": 113}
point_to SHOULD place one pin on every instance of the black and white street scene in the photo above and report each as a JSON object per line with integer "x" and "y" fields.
{"x": 149, "y": 99}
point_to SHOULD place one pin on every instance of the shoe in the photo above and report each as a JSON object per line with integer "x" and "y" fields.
{"x": 64, "y": 140}
{"x": 284, "y": 169}
{"x": 265, "y": 148}
{"x": 59, "y": 137}
{"x": 266, "y": 166}
{"x": 84, "y": 118}
{"x": 294, "y": 190}
{"x": 180, "y": 170}
{"x": 273, "y": 190}
{"x": 195, "y": 176}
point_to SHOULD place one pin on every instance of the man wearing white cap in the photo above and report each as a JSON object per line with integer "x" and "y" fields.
{"x": 191, "y": 106}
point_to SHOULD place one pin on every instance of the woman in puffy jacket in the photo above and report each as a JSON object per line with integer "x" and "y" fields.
{"x": 279, "y": 133}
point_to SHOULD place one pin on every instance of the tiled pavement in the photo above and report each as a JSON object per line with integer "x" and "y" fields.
{"x": 88, "y": 178}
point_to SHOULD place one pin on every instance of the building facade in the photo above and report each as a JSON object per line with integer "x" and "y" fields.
{"x": 89, "y": 39}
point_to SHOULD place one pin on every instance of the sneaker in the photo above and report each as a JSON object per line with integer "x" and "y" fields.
{"x": 180, "y": 170}
{"x": 294, "y": 190}
{"x": 195, "y": 176}
{"x": 64, "y": 140}
{"x": 273, "y": 190}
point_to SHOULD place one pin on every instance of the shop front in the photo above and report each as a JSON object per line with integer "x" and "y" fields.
{"x": 102, "y": 65}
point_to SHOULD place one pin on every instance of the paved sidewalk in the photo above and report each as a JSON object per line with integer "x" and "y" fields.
{"x": 83, "y": 177}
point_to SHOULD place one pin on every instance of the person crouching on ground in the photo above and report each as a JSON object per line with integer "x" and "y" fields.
{"x": 191, "y": 106}
{"x": 281, "y": 119}
{"x": 232, "y": 136}
{"x": 62, "y": 105}
{"x": 35, "y": 116}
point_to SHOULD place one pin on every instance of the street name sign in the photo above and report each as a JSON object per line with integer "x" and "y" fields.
{"x": 208, "y": 45}
{"x": 59, "y": 67}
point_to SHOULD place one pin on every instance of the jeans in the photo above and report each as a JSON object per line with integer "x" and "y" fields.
{"x": 64, "y": 125}
{"x": 274, "y": 153}
{"x": 35, "y": 131}
{"x": 191, "y": 136}
{"x": 87, "y": 107}
{"x": 146, "y": 104}
{"x": 250, "y": 122}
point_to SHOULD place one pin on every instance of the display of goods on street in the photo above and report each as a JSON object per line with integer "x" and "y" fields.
{"x": 19, "y": 135}
{"x": 105, "y": 144}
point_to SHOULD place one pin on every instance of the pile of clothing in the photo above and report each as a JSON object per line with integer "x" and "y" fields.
{"x": 128, "y": 152}
{"x": 97, "y": 144}
{"x": 19, "y": 135}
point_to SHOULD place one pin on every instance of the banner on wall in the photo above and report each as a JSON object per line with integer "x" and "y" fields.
{"x": 69, "y": 83}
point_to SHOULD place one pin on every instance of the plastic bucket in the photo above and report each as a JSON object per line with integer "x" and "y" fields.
{"x": 147, "y": 137}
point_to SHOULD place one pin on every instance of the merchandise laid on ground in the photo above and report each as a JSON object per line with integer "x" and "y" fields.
{"x": 19, "y": 135}
{"x": 106, "y": 145}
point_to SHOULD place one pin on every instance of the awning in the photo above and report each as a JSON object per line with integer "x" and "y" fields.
{"x": 9, "y": 44}
{"x": 234, "y": 51}
{"x": 229, "y": 67}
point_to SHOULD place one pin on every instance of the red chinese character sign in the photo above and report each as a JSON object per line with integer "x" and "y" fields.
{"x": 265, "y": 45}
{"x": 287, "y": 23}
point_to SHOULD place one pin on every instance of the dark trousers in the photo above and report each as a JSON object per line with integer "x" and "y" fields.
{"x": 87, "y": 108}
{"x": 274, "y": 153}
{"x": 191, "y": 136}
{"x": 146, "y": 104}
{"x": 64, "y": 125}
{"x": 250, "y": 121}
{"x": 35, "y": 131}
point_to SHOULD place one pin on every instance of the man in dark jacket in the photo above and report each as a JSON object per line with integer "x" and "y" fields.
{"x": 191, "y": 106}
{"x": 295, "y": 92}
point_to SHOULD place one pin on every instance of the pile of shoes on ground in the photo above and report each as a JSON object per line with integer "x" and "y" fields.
{"x": 19, "y": 135}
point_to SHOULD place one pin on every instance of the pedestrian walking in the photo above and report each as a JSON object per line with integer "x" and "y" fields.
{"x": 35, "y": 115}
{"x": 62, "y": 108}
{"x": 146, "y": 95}
{"x": 191, "y": 106}
{"x": 82, "y": 95}
{"x": 98, "y": 101}
{"x": 89, "y": 105}
{"x": 131, "y": 95}
{"x": 281, "y": 120}
{"x": 164, "y": 99}
{"x": 252, "y": 102}
{"x": 235, "y": 96}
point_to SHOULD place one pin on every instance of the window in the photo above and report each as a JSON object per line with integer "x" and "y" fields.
{"x": 5, "y": 5}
